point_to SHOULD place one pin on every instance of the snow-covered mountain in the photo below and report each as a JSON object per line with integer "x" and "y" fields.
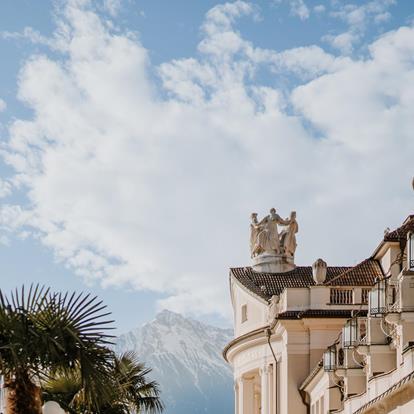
{"x": 185, "y": 356}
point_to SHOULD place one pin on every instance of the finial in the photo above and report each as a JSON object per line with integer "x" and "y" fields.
{"x": 319, "y": 270}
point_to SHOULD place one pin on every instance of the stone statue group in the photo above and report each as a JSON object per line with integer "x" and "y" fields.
{"x": 265, "y": 237}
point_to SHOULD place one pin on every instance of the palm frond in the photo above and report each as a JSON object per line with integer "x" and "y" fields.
{"x": 42, "y": 332}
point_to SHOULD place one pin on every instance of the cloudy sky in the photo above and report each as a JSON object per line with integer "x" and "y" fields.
{"x": 137, "y": 136}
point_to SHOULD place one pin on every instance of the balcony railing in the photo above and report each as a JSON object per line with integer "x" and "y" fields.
{"x": 342, "y": 297}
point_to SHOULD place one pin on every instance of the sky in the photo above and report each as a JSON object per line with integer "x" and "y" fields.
{"x": 137, "y": 137}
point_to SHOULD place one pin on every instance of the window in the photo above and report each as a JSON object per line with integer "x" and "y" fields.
{"x": 350, "y": 333}
{"x": 329, "y": 358}
{"x": 411, "y": 251}
{"x": 378, "y": 298}
{"x": 342, "y": 296}
{"x": 362, "y": 330}
{"x": 364, "y": 296}
{"x": 244, "y": 313}
{"x": 341, "y": 357}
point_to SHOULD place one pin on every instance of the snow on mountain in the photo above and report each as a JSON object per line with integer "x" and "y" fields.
{"x": 185, "y": 356}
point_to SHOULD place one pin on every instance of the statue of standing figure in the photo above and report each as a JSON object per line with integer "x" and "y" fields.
{"x": 288, "y": 236}
{"x": 265, "y": 238}
{"x": 254, "y": 232}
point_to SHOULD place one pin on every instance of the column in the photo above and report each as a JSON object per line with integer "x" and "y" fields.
{"x": 271, "y": 389}
{"x": 239, "y": 405}
{"x": 247, "y": 396}
{"x": 257, "y": 402}
{"x": 265, "y": 372}
{"x": 236, "y": 396}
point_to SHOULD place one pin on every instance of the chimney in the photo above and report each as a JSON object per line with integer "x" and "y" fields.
{"x": 319, "y": 271}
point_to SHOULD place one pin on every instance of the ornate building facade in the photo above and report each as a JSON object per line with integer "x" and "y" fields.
{"x": 320, "y": 339}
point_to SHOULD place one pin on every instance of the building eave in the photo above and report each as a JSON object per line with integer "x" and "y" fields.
{"x": 247, "y": 290}
{"x": 382, "y": 247}
{"x": 314, "y": 373}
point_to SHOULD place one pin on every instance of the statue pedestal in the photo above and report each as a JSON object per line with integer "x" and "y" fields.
{"x": 273, "y": 263}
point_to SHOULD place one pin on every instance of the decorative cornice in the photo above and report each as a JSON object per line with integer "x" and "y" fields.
{"x": 242, "y": 338}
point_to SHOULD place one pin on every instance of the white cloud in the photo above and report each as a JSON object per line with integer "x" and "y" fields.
{"x": 357, "y": 17}
{"x": 3, "y": 105}
{"x": 129, "y": 188}
{"x": 112, "y": 6}
{"x": 298, "y": 8}
{"x": 307, "y": 62}
{"x": 382, "y": 17}
{"x": 344, "y": 42}
{"x": 29, "y": 34}
{"x": 319, "y": 8}
{"x": 5, "y": 188}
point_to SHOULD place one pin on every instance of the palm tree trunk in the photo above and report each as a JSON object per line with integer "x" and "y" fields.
{"x": 22, "y": 395}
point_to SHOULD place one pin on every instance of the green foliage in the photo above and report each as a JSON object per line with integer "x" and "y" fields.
{"x": 42, "y": 332}
{"x": 130, "y": 390}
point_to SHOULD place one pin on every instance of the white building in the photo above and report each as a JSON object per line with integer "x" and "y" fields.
{"x": 292, "y": 353}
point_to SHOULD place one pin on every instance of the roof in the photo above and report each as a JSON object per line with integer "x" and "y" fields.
{"x": 319, "y": 313}
{"x": 400, "y": 234}
{"x": 265, "y": 285}
{"x": 363, "y": 274}
{"x": 275, "y": 283}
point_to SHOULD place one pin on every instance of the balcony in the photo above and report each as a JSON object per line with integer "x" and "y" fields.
{"x": 341, "y": 296}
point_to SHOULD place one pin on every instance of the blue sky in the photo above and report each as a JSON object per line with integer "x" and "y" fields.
{"x": 137, "y": 137}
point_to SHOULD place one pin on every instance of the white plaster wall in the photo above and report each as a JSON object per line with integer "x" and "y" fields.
{"x": 319, "y": 297}
{"x": 256, "y": 311}
{"x": 388, "y": 258}
{"x": 297, "y": 298}
{"x": 321, "y": 391}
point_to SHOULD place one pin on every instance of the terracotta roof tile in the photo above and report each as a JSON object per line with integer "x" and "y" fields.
{"x": 363, "y": 274}
{"x": 275, "y": 283}
{"x": 265, "y": 285}
{"x": 318, "y": 313}
{"x": 400, "y": 234}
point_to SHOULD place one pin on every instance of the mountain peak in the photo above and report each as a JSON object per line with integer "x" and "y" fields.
{"x": 167, "y": 316}
{"x": 185, "y": 357}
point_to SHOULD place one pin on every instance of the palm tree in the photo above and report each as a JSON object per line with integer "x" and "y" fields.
{"x": 131, "y": 392}
{"x": 42, "y": 332}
